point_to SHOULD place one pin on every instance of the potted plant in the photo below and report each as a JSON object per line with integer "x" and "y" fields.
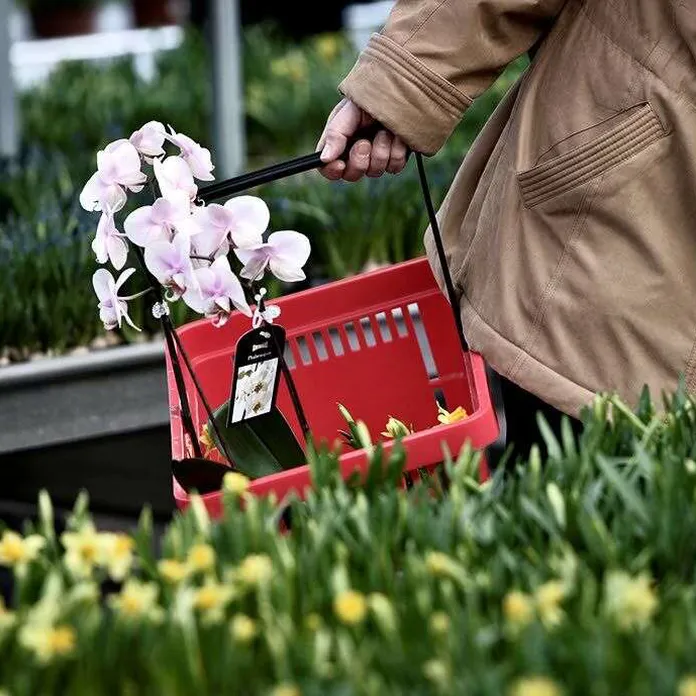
{"x": 54, "y": 18}
{"x": 153, "y": 13}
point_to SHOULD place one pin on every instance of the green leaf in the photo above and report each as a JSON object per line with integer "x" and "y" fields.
{"x": 623, "y": 488}
{"x": 258, "y": 449}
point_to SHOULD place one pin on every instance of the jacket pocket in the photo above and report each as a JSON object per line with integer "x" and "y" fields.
{"x": 619, "y": 139}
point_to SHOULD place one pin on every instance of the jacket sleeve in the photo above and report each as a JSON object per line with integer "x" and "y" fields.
{"x": 434, "y": 57}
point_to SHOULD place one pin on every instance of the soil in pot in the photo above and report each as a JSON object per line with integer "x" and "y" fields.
{"x": 153, "y": 13}
{"x": 53, "y": 22}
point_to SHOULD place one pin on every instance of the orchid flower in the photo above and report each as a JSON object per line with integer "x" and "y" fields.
{"x": 174, "y": 176}
{"x": 118, "y": 168}
{"x": 159, "y": 221}
{"x": 244, "y": 219}
{"x": 286, "y": 252}
{"x": 197, "y": 157}
{"x": 112, "y": 308}
{"x": 108, "y": 244}
{"x": 149, "y": 139}
{"x": 218, "y": 290}
{"x": 170, "y": 263}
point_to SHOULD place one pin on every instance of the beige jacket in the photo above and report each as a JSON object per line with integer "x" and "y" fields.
{"x": 571, "y": 226}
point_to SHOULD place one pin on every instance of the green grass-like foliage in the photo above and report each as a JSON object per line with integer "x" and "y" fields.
{"x": 571, "y": 575}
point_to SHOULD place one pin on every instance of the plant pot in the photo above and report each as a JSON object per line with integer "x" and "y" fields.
{"x": 153, "y": 13}
{"x": 49, "y": 23}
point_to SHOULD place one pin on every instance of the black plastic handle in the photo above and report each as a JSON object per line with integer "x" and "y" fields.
{"x": 305, "y": 163}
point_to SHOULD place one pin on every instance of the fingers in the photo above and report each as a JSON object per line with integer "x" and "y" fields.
{"x": 397, "y": 155}
{"x": 380, "y": 154}
{"x": 343, "y": 122}
{"x": 358, "y": 161}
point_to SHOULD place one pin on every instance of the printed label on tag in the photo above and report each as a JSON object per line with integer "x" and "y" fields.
{"x": 256, "y": 373}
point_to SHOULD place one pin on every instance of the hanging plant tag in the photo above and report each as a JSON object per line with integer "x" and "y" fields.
{"x": 256, "y": 374}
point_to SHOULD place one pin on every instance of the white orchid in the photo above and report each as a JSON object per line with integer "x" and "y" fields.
{"x": 285, "y": 252}
{"x": 218, "y": 291}
{"x": 108, "y": 243}
{"x": 113, "y": 310}
{"x": 118, "y": 169}
{"x": 196, "y": 156}
{"x": 159, "y": 221}
{"x": 170, "y": 264}
{"x": 174, "y": 176}
{"x": 149, "y": 140}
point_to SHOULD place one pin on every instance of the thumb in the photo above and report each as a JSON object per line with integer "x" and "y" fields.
{"x": 342, "y": 126}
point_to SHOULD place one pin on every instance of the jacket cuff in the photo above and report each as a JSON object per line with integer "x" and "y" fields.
{"x": 403, "y": 94}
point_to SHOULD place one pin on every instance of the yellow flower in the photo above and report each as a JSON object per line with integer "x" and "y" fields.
{"x": 83, "y": 550}
{"x": 172, "y": 571}
{"x": 48, "y": 642}
{"x": 630, "y": 601}
{"x": 313, "y": 622}
{"x": 350, "y": 607}
{"x": 327, "y": 46}
{"x": 293, "y": 66}
{"x": 201, "y": 558}
{"x": 206, "y": 439}
{"x": 687, "y": 686}
{"x": 439, "y": 623}
{"x": 243, "y": 628}
{"x": 235, "y": 483}
{"x": 286, "y": 690}
{"x": 137, "y": 600}
{"x": 548, "y": 600}
{"x": 447, "y": 418}
{"x": 118, "y": 554}
{"x": 441, "y": 565}
{"x": 7, "y": 618}
{"x": 16, "y": 551}
{"x": 518, "y": 609}
{"x": 211, "y": 600}
{"x": 535, "y": 686}
{"x": 437, "y": 672}
{"x": 255, "y": 569}
{"x": 395, "y": 429}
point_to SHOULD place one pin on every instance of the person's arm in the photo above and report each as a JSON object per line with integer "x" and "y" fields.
{"x": 434, "y": 57}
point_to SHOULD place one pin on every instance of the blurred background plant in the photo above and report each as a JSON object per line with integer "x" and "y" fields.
{"x": 290, "y": 87}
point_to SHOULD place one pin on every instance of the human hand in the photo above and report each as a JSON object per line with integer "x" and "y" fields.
{"x": 385, "y": 153}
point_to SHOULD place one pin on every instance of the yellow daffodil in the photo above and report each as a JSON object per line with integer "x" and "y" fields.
{"x": 437, "y": 672}
{"x": 518, "y": 609}
{"x": 172, "y": 571}
{"x": 350, "y": 607}
{"x": 383, "y": 611}
{"x": 201, "y": 558}
{"x": 535, "y": 686}
{"x": 441, "y": 565}
{"x": 629, "y": 601}
{"x": 48, "y": 642}
{"x": 243, "y": 628}
{"x": 447, "y": 418}
{"x": 118, "y": 555}
{"x": 327, "y": 46}
{"x": 137, "y": 600}
{"x": 395, "y": 429}
{"x": 439, "y": 623}
{"x": 17, "y": 551}
{"x": 286, "y": 690}
{"x": 235, "y": 483}
{"x": 255, "y": 569}
{"x": 548, "y": 600}
{"x": 7, "y": 617}
{"x": 313, "y": 622}
{"x": 84, "y": 550}
{"x": 212, "y": 599}
{"x": 293, "y": 66}
{"x": 687, "y": 686}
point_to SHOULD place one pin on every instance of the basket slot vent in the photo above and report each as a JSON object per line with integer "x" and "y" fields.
{"x": 368, "y": 333}
{"x": 352, "y": 336}
{"x": 400, "y": 322}
{"x": 303, "y": 350}
{"x": 423, "y": 342}
{"x": 336, "y": 343}
{"x": 384, "y": 331}
{"x": 289, "y": 357}
{"x": 320, "y": 346}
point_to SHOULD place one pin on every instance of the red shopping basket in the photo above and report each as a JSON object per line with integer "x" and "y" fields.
{"x": 381, "y": 343}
